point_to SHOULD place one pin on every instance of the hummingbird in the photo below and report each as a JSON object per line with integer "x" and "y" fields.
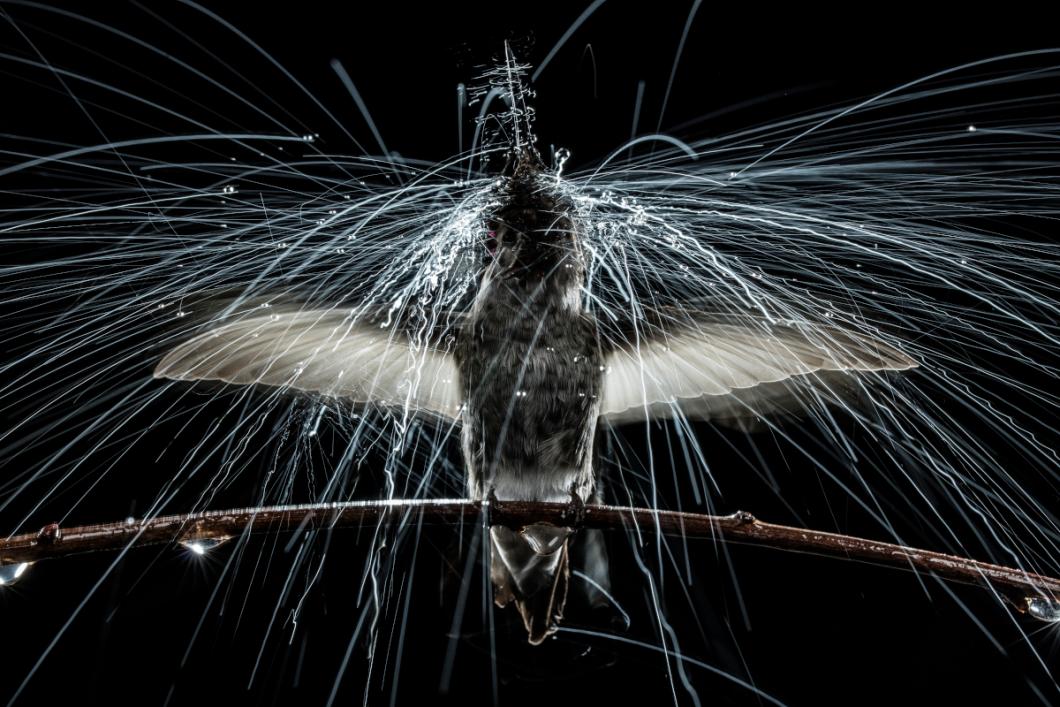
{"x": 531, "y": 375}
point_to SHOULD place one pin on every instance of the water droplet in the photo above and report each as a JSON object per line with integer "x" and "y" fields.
{"x": 971, "y": 128}
{"x": 201, "y": 546}
{"x": 9, "y": 574}
{"x": 1044, "y": 608}
{"x": 229, "y": 189}
{"x": 560, "y": 157}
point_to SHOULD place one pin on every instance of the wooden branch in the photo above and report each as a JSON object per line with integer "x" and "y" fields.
{"x": 1039, "y": 595}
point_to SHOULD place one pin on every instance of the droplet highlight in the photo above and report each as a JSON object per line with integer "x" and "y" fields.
{"x": 9, "y": 574}
{"x": 1044, "y": 609}
{"x": 201, "y": 546}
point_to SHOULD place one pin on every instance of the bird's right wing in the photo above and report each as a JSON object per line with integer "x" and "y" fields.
{"x": 726, "y": 368}
{"x": 323, "y": 351}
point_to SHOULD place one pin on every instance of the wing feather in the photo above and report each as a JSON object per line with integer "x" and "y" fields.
{"x": 325, "y": 352}
{"x": 732, "y": 368}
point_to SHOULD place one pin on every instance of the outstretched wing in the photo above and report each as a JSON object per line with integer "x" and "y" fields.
{"x": 326, "y": 352}
{"x": 730, "y": 368}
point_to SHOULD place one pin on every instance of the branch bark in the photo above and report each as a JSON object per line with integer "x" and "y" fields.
{"x": 1025, "y": 590}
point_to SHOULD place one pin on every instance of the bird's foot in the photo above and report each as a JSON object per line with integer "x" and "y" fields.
{"x": 494, "y": 508}
{"x": 573, "y": 515}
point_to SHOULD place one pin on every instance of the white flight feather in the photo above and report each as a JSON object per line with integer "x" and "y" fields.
{"x": 325, "y": 352}
{"x": 732, "y": 370}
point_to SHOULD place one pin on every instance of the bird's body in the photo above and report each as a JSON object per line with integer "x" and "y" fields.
{"x": 531, "y": 370}
{"x": 532, "y": 400}
{"x": 529, "y": 359}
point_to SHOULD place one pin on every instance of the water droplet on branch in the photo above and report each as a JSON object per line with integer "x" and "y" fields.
{"x": 201, "y": 546}
{"x": 9, "y": 574}
{"x": 1044, "y": 609}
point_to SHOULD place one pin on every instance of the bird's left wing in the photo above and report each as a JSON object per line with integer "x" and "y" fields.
{"x": 733, "y": 368}
{"x": 327, "y": 352}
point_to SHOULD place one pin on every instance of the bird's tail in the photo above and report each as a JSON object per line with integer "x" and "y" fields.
{"x": 531, "y": 568}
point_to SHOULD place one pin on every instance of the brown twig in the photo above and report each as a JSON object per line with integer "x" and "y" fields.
{"x": 1022, "y": 588}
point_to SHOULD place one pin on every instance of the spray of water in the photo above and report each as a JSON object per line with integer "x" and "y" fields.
{"x": 917, "y": 219}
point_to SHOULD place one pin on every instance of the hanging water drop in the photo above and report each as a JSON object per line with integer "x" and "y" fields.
{"x": 1044, "y": 608}
{"x": 9, "y": 574}
{"x": 201, "y": 546}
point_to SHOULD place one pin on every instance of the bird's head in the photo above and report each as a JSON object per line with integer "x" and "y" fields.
{"x": 532, "y": 235}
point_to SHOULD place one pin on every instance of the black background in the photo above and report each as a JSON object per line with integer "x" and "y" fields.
{"x": 819, "y": 631}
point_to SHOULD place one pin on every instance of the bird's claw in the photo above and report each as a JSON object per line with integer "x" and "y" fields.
{"x": 573, "y": 515}
{"x": 494, "y": 507}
